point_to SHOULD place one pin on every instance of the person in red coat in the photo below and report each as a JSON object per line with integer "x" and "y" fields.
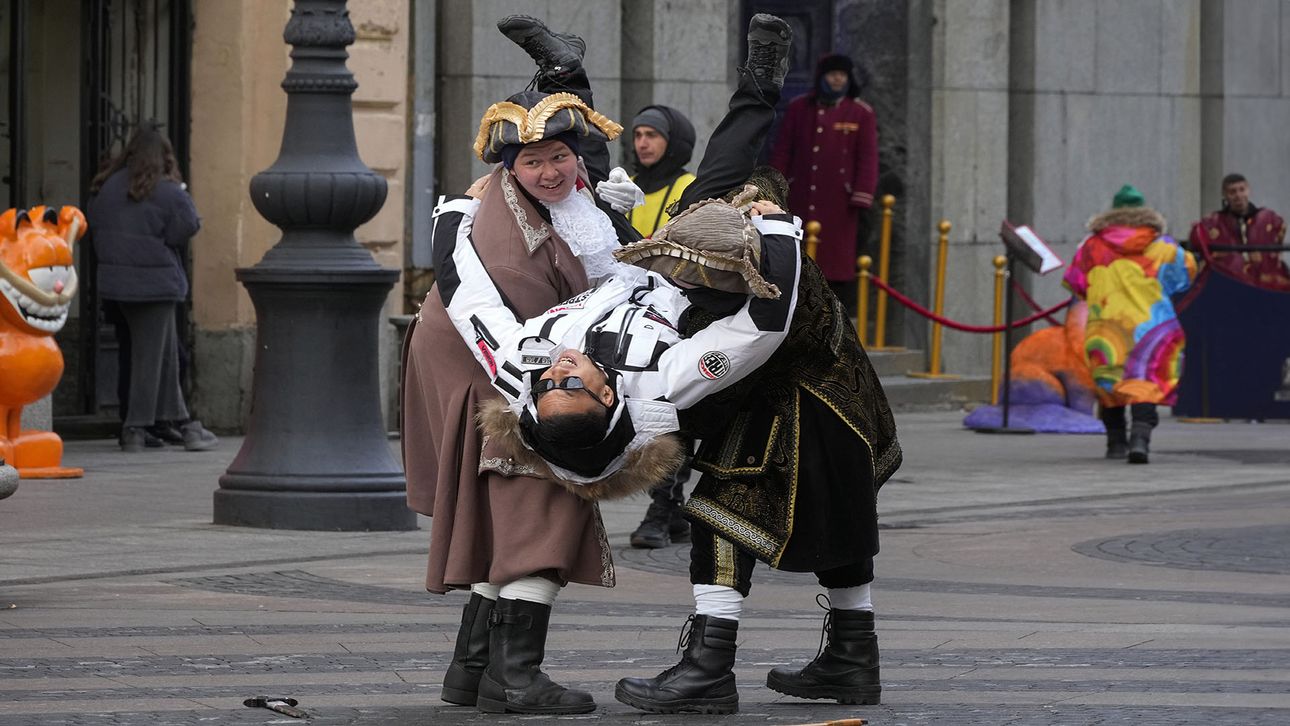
{"x": 1240, "y": 222}
{"x": 828, "y": 149}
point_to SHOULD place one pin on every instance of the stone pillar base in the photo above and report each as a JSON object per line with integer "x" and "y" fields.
{"x": 328, "y": 511}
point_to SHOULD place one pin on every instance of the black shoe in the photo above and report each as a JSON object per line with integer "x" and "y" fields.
{"x": 653, "y": 532}
{"x": 133, "y": 439}
{"x": 554, "y": 53}
{"x": 1139, "y": 445}
{"x": 197, "y": 438}
{"x": 513, "y": 681}
{"x": 1117, "y": 445}
{"x": 678, "y": 528}
{"x": 768, "y": 43}
{"x": 704, "y": 680}
{"x": 845, "y": 670}
{"x": 461, "y": 682}
{"x": 166, "y": 432}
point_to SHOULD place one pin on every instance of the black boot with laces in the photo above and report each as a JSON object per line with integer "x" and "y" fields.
{"x": 704, "y": 680}
{"x": 554, "y": 53}
{"x": 845, "y": 670}
{"x": 768, "y": 43}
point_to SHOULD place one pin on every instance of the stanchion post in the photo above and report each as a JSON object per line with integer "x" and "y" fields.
{"x": 938, "y": 305}
{"x": 864, "y": 262}
{"x": 996, "y": 360}
{"x": 812, "y": 238}
{"x": 884, "y": 269}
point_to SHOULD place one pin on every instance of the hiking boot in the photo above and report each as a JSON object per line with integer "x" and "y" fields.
{"x": 845, "y": 670}
{"x": 1117, "y": 444}
{"x": 1138, "y": 448}
{"x": 554, "y": 53}
{"x": 197, "y": 438}
{"x": 768, "y": 42}
{"x": 704, "y": 680}
{"x": 653, "y": 532}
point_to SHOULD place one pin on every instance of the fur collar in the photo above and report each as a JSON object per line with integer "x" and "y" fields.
{"x": 645, "y": 467}
{"x": 1128, "y": 217}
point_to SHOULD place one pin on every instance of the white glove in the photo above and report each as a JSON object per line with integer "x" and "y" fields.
{"x": 620, "y": 192}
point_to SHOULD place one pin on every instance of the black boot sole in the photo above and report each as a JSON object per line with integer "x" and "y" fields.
{"x": 1137, "y": 457}
{"x": 856, "y": 696}
{"x": 492, "y": 705}
{"x": 459, "y": 697}
{"x": 712, "y": 706}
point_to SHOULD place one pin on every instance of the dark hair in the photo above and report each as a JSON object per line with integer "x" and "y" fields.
{"x": 1232, "y": 179}
{"x": 575, "y": 430}
{"x": 149, "y": 158}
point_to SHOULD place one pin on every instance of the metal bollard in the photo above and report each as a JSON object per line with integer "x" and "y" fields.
{"x": 996, "y": 360}
{"x": 812, "y": 238}
{"x": 884, "y": 268}
{"x": 862, "y": 298}
{"x": 942, "y": 258}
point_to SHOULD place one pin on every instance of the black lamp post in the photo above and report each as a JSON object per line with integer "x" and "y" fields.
{"x": 316, "y": 454}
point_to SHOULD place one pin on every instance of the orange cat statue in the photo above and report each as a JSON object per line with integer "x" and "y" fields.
{"x": 37, "y": 284}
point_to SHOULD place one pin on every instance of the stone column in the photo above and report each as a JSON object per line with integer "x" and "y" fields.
{"x": 315, "y": 454}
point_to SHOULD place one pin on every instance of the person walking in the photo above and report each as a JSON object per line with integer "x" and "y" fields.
{"x": 1127, "y": 269}
{"x": 140, "y": 218}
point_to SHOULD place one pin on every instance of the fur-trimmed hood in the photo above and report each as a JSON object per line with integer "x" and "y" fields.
{"x": 645, "y": 466}
{"x": 1128, "y": 217}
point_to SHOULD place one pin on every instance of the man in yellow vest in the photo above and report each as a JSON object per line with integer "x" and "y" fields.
{"x": 663, "y": 139}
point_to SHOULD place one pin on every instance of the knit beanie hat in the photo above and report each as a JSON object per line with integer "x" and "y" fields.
{"x": 1128, "y": 196}
{"x": 654, "y": 117}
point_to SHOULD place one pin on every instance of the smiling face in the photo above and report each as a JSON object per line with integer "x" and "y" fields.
{"x": 547, "y": 170}
{"x": 649, "y": 143}
{"x": 595, "y": 398}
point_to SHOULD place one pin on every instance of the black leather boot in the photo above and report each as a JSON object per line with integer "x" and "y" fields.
{"x": 1117, "y": 444}
{"x": 704, "y": 680}
{"x": 845, "y": 670}
{"x": 513, "y": 682}
{"x": 1139, "y": 448}
{"x": 769, "y": 38}
{"x": 461, "y": 682}
{"x": 555, "y": 53}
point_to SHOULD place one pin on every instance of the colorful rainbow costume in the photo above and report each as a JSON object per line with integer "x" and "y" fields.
{"x": 1127, "y": 269}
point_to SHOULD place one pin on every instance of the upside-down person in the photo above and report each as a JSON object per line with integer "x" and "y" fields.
{"x": 734, "y": 337}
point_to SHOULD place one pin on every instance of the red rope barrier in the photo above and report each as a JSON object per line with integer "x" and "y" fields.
{"x": 1031, "y": 302}
{"x": 900, "y": 298}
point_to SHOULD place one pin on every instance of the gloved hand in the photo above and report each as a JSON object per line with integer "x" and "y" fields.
{"x": 620, "y": 192}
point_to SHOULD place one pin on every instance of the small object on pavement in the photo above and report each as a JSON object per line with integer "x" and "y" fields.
{"x": 283, "y": 705}
{"x": 842, "y": 722}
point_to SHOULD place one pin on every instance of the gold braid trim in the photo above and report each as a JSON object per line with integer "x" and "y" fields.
{"x": 532, "y": 122}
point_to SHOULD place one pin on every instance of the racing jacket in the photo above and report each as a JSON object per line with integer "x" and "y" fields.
{"x": 633, "y": 324}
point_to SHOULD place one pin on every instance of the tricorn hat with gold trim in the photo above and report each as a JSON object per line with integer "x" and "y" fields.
{"x": 532, "y": 116}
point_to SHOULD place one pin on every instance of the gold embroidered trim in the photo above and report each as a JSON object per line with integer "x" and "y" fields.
{"x": 531, "y": 123}
{"x": 795, "y": 466}
{"x": 724, "y": 557}
{"x": 733, "y": 528}
{"x": 504, "y": 466}
{"x": 533, "y": 236}
{"x": 607, "y": 577}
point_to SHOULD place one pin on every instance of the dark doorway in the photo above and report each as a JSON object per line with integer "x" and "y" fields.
{"x": 135, "y": 66}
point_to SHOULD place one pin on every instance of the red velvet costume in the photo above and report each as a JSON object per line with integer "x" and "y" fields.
{"x": 829, "y": 153}
{"x": 1263, "y": 228}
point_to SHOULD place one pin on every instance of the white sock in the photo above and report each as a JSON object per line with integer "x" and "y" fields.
{"x": 718, "y": 601}
{"x": 850, "y": 598}
{"x": 532, "y": 589}
{"x": 486, "y": 590}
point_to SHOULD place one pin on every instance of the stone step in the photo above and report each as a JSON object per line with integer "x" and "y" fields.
{"x": 897, "y": 362}
{"x": 920, "y": 394}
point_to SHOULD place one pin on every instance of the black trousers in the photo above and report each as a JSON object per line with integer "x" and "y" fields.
{"x": 1144, "y": 417}
{"x": 715, "y": 560}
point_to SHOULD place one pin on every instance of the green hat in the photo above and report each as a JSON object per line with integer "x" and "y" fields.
{"x": 1128, "y": 196}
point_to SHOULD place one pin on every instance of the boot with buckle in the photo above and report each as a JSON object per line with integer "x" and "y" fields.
{"x": 554, "y": 53}
{"x": 768, "y": 43}
{"x": 470, "y": 657}
{"x": 704, "y": 680}
{"x": 845, "y": 670}
{"x": 513, "y": 681}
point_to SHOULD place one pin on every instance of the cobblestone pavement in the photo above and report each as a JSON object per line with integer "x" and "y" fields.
{"x": 1050, "y": 590}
